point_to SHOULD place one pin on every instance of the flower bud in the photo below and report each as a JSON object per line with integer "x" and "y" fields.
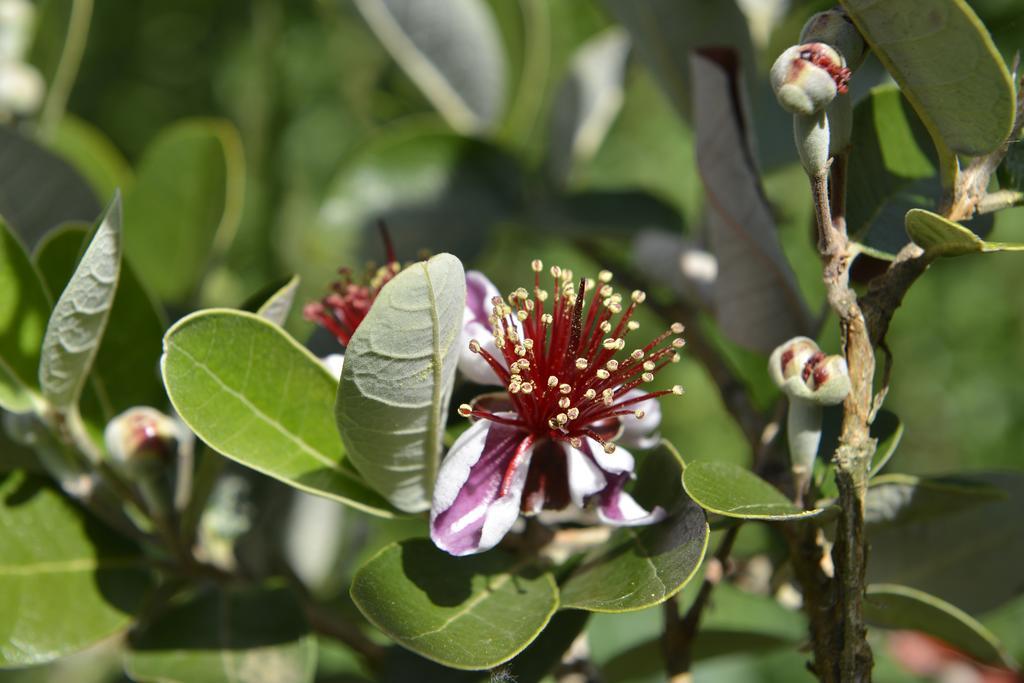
{"x": 829, "y": 380}
{"x": 833, "y": 27}
{"x": 804, "y": 78}
{"x": 811, "y": 134}
{"x": 142, "y": 439}
{"x": 788, "y": 360}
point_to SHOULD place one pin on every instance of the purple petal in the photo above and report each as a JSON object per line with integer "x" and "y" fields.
{"x": 585, "y": 476}
{"x": 642, "y": 433}
{"x": 619, "y": 461}
{"x": 468, "y": 514}
{"x": 479, "y": 293}
{"x": 618, "y": 508}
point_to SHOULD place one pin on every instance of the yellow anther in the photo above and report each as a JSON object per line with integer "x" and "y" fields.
{"x": 546, "y": 319}
{"x": 564, "y": 388}
{"x": 552, "y": 381}
{"x": 678, "y": 343}
{"x": 465, "y": 410}
{"x": 527, "y": 387}
{"x": 638, "y": 296}
{"x": 607, "y": 396}
{"x": 677, "y": 390}
{"x": 638, "y": 354}
{"x": 602, "y": 373}
{"x": 537, "y": 265}
{"x": 563, "y": 402}
{"x": 581, "y": 363}
{"x": 612, "y": 365}
{"x": 576, "y": 442}
{"x": 605, "y": 276}
{"x": 677, "y": 328}
{"x": 647, "y": 377}
{"x": 522, "y": 315}
{"x": 632, "y": 325}
{"x": 649, "y": 365}
{"x": 573, "y": 413}
{"x": 589, "y": 394}
{"x": 609, "y": 447}
{"x": 639, "y": 413}
{"x": 474, "y": 346}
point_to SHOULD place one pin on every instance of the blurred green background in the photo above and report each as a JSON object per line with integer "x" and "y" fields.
{"x": 335, "y": 135}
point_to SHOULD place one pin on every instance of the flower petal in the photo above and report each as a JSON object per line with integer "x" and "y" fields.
{"x": 468, "y": 514}
{"x": 479, "y": 293}
{"x": 642, "y": 433}
{"x": 472, "y": 365}
{"x": 619, "y": 461}
{"x": 585, "y": 477}
{"x": 618, "y": 508}
{"x": 334, "y": 362}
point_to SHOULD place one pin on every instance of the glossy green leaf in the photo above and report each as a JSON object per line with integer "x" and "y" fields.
{"x": 451, "y": 49}
{"x": 65, "y": 581}
{"x": 945, "y": 63}
{"x": 230, "y": 635}
{"x": 185, "y": 205}
{"x": 891, "y": 170}
{"x": 730, "y": 490}
{"x": 397, "y": 379}
{"x": 970, "y": 557}
{"x": 79, "y": 318}
{"x": 888, "y": 430}
{"x": 41, "y": 190}
{"x": 757, "y": 301}
{"x": 93, "y": 155}
{"x": 900, "y": 498}
{"x": 126, "y": 370}
{"x": 939, "y": 236}
{"x": 278, "y": 305}
{"x": 255, "y": 395}
{"x": 899, "y": 607}
{"x": 24, "y": 308}
{"x": 432, "y": 189}
{"x": 587, "y": 102}
{"x": 644, "y": 566}
{"x": 464, "y": 612}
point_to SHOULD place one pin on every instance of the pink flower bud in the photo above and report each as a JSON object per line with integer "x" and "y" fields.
{"x": 806, "y": 78}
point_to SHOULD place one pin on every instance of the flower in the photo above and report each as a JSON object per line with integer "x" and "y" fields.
{"x": 551, "y": 438}
{"x": 341, "y": 311}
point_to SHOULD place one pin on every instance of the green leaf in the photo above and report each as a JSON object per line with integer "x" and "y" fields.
{"x": 451, "y": 49}
{"x": 79, "y": 318}
{"x": 41, "y": 190}
{"x": 65, "y": 581}
{"x": 891, "y": 165}
{"x": 125, "y": 372}
{"x": 900, "y": 498}
{"x": 939, "y": 236}
{"x": 970, "y": 557}
{"x": 467, "y": 612}
{"x": 255, "y": 395}
{"x": 946, "y": 64}
{"x": 226, "y": 635}
{"x": 434, "y": 190}
{"x": 278, "y": 305}
{"x": 185, "y": 205}
{"x": 397, "y": 379}
{"x": 899, "y": 607}
{"x": 888, "y": 430}
{"x": 757, "y": 301}
{"x": 94, "y": 156}
{"x": 732, "y": 491}
{"x": 24, "y": 308}
{"x": 644, "y": 566}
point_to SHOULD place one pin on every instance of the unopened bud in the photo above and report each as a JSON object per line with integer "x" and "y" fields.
{"x": 21, "y": 88}
{"x": 142, "y": 439}
{"x": 804, "y": 78}
{"x": 833, "y": 27}
{"x": 829, "y": 380}
{"x": 788, "y": 359}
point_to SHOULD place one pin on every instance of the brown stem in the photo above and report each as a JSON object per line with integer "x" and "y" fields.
{"x": 680, "y": 633}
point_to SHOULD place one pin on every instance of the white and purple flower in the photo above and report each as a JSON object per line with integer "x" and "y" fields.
{"x": 571, "y": 395}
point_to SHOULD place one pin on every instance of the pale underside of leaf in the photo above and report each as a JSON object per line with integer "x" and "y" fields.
{"x": 76, "y": 326}
{"x": 398, "y": 374}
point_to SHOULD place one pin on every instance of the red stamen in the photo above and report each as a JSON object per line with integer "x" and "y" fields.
{"x": 513, "y": 465}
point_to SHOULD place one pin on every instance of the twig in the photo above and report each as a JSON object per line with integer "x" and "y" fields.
{"x": 680, "y": 633}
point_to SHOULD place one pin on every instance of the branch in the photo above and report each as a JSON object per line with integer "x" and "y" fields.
{"x": 680, "y": 633}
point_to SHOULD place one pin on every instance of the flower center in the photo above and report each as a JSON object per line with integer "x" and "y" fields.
{"x": 565, "y": 368}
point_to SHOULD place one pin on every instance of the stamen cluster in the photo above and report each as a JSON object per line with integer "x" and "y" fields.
{"x": 564, "y": 361}
{"x": 341, "y": 311}
{"x": 840, "y": 74}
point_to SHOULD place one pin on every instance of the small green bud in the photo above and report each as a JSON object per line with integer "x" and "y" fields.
{"x": 788, "y": 360}
{"x": 834, "y": 28}
{"x": 804, "y": 78}
{"x": 811, "y": 134}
